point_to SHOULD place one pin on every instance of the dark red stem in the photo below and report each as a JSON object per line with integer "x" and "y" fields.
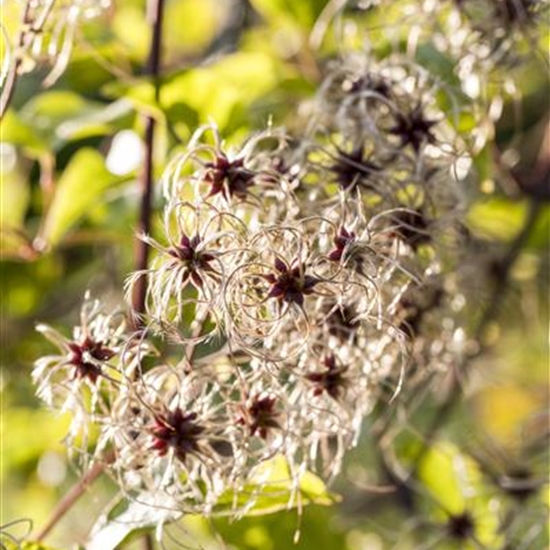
{"x": 155, "y": 10}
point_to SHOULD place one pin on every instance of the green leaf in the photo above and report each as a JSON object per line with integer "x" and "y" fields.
{"x": 89, "y": 69}
{"x": 79, "y": 189}
{"x": 217, "y": 92}
{"x": 437, "y": 63}
{"x": 497, "y": 218}
{"x": 132, "y": 31}
{"x": 140, "y": 93}
{"x": 455, "y": 481}
{"x": 303, "y": 13}
{"x": 14, "y": 198}
{"x": 19, "y": 451}
{"x": 230, "y": 85}
{"x": 18, "y": 132}
{"x": 273, "y": 489}
{"x": 439, "y": 472}
{"x": 207, "y": 17}
{"x": 48, "y": 113}
{"x": 13, "y": 533}
{"x": 539, "y": 238}
{"x": 97, "y": 121}
{"x": 52, "y": 107}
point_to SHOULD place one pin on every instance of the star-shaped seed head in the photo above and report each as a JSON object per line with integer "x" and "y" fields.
{"x": 195, "y": 260}
{"x": 178, "y": 431}
{"x": 261, "y": 415}
{"x": 87, "y": 358}
{"x": 330, "y": 380}
{"x": 290, "y": 283}
{"x": 413, "y": 128}
{"x": 229, "y": 177}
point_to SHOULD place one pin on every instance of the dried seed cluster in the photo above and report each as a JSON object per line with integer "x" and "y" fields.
{"x": 307, "y": 269}
{"x": 47, "y": 34}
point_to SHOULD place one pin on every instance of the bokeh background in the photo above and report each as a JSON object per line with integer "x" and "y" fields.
{"x": 70, "y": 154}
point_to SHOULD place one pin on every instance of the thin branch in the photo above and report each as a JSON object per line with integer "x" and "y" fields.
{"x": 154, "y": 13}
{"x": 155, "y": 9}
{"x": 76, "y": 491}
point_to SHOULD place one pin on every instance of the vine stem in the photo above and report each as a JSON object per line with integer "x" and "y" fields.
{"x": 155, "y": 9}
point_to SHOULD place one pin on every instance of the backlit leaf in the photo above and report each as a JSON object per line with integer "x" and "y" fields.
{"x": 79, "y": 189}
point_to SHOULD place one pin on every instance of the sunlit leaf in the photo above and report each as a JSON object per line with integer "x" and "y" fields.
{"x": 47, "y": 111}
{"x": 215, "y": 92}
{"x": 17, "y": 453}
{"x": 14, "y": 198}
{"x": 140, "y": 93}
{"x": 14, "y": 202}
{"x": 273, "y": 489}
{"x": 497, "y": 218}
{"x": 207, "y": 16}
{"x": 441, "y": 472}
{"x": 97, "y": 121}
{"x": 303, "y": 13}
{"x": 456, "y": 486}
{"x": 276, "y": 531}
{"x": 132, "y": 31}
{"x": 18, "y": 132}
{"x": 52, "y": 118}
{"x": 79, "y": 188}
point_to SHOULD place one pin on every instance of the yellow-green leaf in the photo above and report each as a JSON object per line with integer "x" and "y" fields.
{"x": 18, "y": 132}
{"x": 273, "y": 489}
{"x": 439, "y": 473}
{"x": 80, "y": 188}
{"x": 497, "y": 218}
{"x": 14, "y": 198}
{"x": 303, "y": 13}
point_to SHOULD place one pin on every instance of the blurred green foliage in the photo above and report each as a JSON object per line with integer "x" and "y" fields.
{"x": 67, "y": 220}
